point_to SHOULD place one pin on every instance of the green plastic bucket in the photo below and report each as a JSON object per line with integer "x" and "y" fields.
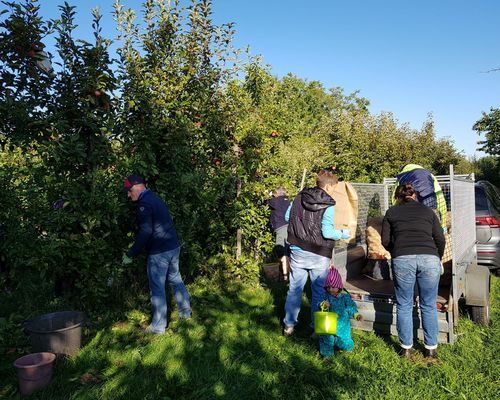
{"x": 325, "y": 322}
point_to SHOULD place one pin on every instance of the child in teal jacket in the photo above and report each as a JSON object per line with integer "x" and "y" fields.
{"x": 337, "y": 300}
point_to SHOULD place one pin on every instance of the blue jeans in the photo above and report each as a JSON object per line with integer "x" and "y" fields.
{"x": 303, "y": 264}
{"x": 162, "y": 267}
{"x": 424, "y": 271}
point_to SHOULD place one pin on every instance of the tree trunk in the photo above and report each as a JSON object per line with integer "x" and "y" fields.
{"x": 238, "y": 231}
{"x": 303, "y": 179}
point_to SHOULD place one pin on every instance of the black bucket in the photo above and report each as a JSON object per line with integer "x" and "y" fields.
{"x": 58, "y": 332}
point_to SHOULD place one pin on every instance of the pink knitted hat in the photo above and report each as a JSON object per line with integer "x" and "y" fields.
{"x": 333, "y": 279}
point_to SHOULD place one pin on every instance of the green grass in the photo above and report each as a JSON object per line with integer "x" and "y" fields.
{"x": 232, "y": 348}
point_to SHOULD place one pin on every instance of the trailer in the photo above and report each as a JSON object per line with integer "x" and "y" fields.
{"x": 463, "y": 280}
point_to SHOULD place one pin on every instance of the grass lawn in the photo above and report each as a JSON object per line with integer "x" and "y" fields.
{"x": 232, "y": 348}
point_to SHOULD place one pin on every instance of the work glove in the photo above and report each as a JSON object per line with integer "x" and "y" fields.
{"x": 345, "y": 233}
{"x": 126, "y": 260}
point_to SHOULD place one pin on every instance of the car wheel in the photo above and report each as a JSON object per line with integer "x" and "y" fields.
{"x": 480, "y": 314}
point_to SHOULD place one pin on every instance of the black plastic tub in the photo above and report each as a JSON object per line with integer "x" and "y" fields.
{"x": 59, "y": 332}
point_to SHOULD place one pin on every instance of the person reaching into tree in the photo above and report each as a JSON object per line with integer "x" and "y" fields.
{"x": 279, "y": 205}
{"x": 158, "y": 238}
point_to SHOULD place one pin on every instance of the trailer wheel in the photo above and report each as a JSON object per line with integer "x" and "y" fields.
{"x": 480, "y": 314}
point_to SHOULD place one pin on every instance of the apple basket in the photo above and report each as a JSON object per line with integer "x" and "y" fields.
{"x": 325, "y": 322}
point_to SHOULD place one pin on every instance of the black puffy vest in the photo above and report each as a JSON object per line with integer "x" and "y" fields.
{"x": 304, "y": 226}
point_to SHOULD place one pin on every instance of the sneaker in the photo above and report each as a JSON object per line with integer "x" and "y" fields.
{"x": 288, "y": 331}
{"x": 151, "y": 331}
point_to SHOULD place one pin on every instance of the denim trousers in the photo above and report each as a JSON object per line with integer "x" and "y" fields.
{"x": 422, "y": 271}
{"x": 303, "y": 264}
{"x": 164, "y": 267}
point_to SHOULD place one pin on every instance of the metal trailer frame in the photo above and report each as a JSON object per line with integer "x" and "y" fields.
{"x": 468, "y": 279}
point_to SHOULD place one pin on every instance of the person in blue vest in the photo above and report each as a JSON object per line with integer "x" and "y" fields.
{"x": 158, "y": 238}
{"x": 311, "y": 236}
{"x": 427, "y": 188}
{"x": 279, "y": 205}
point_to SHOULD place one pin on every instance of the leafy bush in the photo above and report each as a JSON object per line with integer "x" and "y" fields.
{"x": 212, "y": 132}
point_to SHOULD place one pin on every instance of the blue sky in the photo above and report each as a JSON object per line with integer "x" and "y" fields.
{"x": 407, "y": 57}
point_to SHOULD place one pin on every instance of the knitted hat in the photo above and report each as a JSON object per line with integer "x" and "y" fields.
{"x": 333, "y": 279}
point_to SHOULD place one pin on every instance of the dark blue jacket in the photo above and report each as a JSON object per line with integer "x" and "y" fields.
{"x": 422, "y": 181}
{"x": 156, "y": 229}
{"x": 278, "y": 206}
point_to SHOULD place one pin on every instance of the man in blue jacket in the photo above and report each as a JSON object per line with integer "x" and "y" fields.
{"x": 158, "y": 238}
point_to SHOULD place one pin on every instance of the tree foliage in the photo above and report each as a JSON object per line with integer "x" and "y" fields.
{"x": 489, "y": 124}
{"x": 488, "y": 169}
{"x": 212, "y": 134}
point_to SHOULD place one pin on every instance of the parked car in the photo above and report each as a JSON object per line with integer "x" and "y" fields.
{"x": 488, "y": 225}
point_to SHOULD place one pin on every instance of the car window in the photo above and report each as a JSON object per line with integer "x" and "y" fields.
{"x": 493, "y": 195}
{"x": 481, "y": 201}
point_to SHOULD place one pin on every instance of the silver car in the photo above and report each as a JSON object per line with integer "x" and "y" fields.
{"x": 488, "y": 225}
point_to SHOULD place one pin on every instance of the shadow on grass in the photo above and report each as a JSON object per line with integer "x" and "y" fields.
{"x": 232, "y": 348}
{"x": 279, "y": 292}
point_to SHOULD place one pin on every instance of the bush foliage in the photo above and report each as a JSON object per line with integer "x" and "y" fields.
{"x": 208, "y": 126}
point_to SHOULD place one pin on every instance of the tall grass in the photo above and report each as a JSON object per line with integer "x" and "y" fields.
{"x": 232, "y": 348}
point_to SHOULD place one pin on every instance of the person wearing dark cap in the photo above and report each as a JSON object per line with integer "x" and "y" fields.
{"x": 158, "y": 238}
